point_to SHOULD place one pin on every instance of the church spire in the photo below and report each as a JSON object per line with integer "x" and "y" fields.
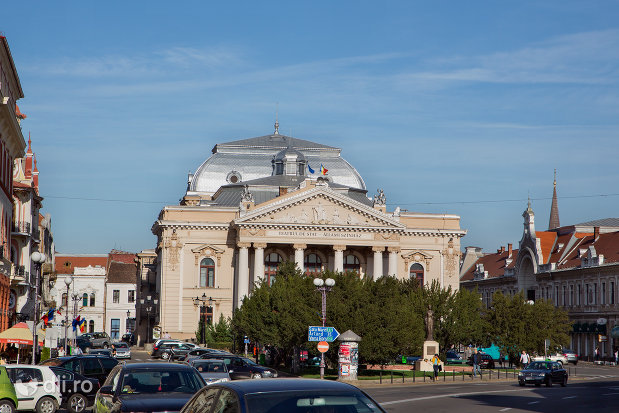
{"x": 553, "y": 223}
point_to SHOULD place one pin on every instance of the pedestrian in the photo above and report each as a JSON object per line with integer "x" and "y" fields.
{"x": 616, "y": 356}
{"x": 476, "y": 362}
{"x": 113, "y": 350}
{"x": 524, "y": 359}
{"x": 77, "y": 351}
{"x": 436, "y": 365}
{"x": 596, "y": 354}
{"x": 61, "y": 352}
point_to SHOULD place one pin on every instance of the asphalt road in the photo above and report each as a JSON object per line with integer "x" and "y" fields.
{"x": 593, "y": 389}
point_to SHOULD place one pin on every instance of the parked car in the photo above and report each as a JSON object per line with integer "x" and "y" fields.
{"x": 37, "y": 387}
{"x": 93, "y": 366}
{"x": 211, "y": 370}
{"x": 100, "y": 340}
{"x": 174, "y": 350}
{"x": 207, "y": 352}
{"x": 121, "y": 350}
{"x": 486, "y": 361}
{"x": 8, "y": 397}
{"x": 78, "y": 392}
{"x": 244, "y": 368}
{"x": 282, "y": 395}
{"x": 454, "y": 358}
{"x": 547, "y": 372}
{"x": 101, "y": 352}
{"x": 571, "y": 355}
{"x": 130, "y": 339}
{"x": 148, "y": 387}
{"x": 558, "y": 357}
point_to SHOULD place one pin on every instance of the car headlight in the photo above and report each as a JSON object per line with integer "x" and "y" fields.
{"x": 267, "y": 373}
{"x": 520, "y": 374}
{"x": 541, "y": 374}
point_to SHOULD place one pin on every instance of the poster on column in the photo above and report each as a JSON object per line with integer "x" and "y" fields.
{"x": 344, "y": 369}
{"x": 344, "y": 353}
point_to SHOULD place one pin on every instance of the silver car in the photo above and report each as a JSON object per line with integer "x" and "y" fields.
{"x": 121, "y": 350}
{"x": 211, "y": 370}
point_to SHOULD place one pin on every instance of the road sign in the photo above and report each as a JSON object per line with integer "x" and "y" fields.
{"x": 323, "y": 346}
{"x": 246, "y": 341}
{"x": 319, "y": 333}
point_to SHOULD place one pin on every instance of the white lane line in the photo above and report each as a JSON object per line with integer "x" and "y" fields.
{"x": 442, "y": 396}
{"x": 609, "y": 394}
{"x": 533, "y": 402}
{"x": 569, "y": 397}
{"x": 505, "y": 409}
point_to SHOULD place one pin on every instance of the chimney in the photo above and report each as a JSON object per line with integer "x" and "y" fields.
{"x": 502, "y": 250}
{"x": 596, "y": 233}
{"x": 509, "y": 250}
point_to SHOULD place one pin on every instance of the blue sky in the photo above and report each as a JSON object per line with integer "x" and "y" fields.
{"x": 450, "y": 107}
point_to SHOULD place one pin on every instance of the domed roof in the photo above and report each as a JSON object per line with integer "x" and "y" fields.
{"x": 249, "y": 159}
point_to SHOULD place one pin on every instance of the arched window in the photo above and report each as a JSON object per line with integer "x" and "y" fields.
{"x": 64, "y": 300}
{"x": 351, "y": 263}
{"x": 207, "y": 273}
{"x": 92, "y": 299}
{"x": 416, "y": 273}
{"x": 271, "y": 262}
{"x": 85, "y": 300}
{"x": 91, "y": 326}
{"x": 312, "y": 264}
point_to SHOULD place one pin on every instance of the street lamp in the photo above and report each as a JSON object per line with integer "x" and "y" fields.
{"x": 68, "y": 281}
{"x": 148, "y": 306}
{"x": 323, "y": 286}
{"x": 201, "y": 301}
{"x": 38, "y": 259}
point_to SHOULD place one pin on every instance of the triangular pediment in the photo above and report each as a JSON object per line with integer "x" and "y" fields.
{"x": 207, "y": 250}
{"x": 320, "y": 206}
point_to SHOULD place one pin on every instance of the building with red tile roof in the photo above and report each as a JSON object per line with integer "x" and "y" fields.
{"x": 575, "y": 266}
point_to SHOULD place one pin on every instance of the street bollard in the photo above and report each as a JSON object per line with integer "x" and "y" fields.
{"x": 444, "y": 375}
{"x": 424, "y": 376}
{"x": 414, "y": 375}
{"x": 381, "y": 377}
{"x": 402, "y": 377}
{"x": 391, "y": 376}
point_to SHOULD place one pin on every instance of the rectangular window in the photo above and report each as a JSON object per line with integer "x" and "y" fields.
{"x": 116, "y": 296}
{"x": 115, "y": 330}
{"x": 578, "y": 293}
{"x": 564, "y": 296}
{"x": 603, "y": 297}
{"x": 130, "y": 325}
{"x": 571, "y": 295}
{"x": 131, "y": 296}
{"x": 612, "y": 292}
{"x": 556, "y": 295}
{"x": 595, "y": 293}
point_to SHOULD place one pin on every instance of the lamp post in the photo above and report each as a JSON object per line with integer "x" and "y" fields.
{"x": 68, "y": 281}
{"x": 148, "y": 306}
{"x": 201, "y": 301}
{"x": 38, "y": 259}
{"x": 323, "y": 286}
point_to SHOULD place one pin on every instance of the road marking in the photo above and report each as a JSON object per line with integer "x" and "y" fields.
{"x": 569, "y": 397}
{"x": 505, "y": 409}
{"x": 609, "y": 394}
{"x": 534, "y": 402}
{"x": 441, "y": 396}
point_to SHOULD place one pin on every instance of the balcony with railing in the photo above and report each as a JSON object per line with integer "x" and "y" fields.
{"x": 21, "y": 228}
{"x": 19, "y": 275}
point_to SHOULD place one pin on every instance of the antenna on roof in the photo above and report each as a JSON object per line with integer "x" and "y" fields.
{"x": 276, "y": 119}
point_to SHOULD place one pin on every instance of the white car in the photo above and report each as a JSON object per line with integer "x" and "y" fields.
{"x": 121, "y": 350}
{"x": 37, "y": 387}
{"x": 558, "y": 357}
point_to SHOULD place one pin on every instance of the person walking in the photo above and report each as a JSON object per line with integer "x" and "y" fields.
{"x": 524, "y": 359}
{"x": 436, "y": 364}
{"x": 596, "y": 354}
{"x": 616, "y": 356}
{"x": 476, "y": 362}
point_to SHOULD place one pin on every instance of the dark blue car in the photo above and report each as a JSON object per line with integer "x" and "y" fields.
{"x": 281, "y": 395}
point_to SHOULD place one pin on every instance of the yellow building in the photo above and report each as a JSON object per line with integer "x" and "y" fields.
{"x": 259, "y": 202}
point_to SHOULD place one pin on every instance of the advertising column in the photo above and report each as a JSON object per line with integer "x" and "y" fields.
{"x": 348, "y": 355}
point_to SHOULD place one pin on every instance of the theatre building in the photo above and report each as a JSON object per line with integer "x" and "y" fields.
{"x": 258, "y": 202}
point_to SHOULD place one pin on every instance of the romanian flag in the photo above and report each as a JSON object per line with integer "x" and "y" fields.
{"x": 323, "y": 170}
{"x": 82, "y": 325}
{"x": 49, "y": 316}
{"x": 309, "y": 168}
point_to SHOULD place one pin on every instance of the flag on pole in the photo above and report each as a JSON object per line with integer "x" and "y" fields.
{"x": 323, "y": 170}
{"x": 309, "y": 168}
{"x": 48, "y": 317}
{"x": 75, "y": 323}
{"x": 82, "y": 325}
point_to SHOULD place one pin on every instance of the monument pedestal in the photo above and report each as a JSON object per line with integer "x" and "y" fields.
{"x": 430, "y": 348}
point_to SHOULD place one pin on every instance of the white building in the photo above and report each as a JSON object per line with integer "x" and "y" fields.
{"x": 120, "y": 298}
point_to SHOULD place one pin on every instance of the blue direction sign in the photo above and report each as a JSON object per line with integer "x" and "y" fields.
{"x": 319, "y": 333}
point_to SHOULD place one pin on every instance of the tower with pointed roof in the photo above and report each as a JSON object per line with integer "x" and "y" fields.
{"x": 553, "y": 223}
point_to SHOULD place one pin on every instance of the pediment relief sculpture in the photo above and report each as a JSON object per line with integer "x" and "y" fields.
{"x": 173, "y": 246}
{"x": 208, "y": 251}
{"x": 417, "y": 256}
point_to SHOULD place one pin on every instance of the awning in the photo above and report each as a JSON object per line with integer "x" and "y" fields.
{"x": 20, "y": 334}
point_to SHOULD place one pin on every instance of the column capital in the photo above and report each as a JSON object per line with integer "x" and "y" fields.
{"x": 243, "y": 244}
{"x": 339, "y": 247}
{"x": 377, "y": 248}
{"x": 261, "y": 245}
{"x": 394, "y": 249}
{"x": 299, "y": 246}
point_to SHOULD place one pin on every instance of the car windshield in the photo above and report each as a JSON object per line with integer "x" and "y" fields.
{"x": 538, "y": 365}
{"x": 210, "y": 366}
{"x": 161, "y": 381}
{"x": 121, "y": 345}
{"x": 250, "y": 361}
{"x": 318, "y": 402}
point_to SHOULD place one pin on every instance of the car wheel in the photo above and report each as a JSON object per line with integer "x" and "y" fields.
{"x": 105, "y": 345}
{"x": 256, "y": 376}
{"x": 563, "y": 383}
{"x": 548, "y": 381}
{"x": 77, "y": 403}
{"x": 165, "y": 356}
{"x": 6, "y": 407}
{"x": 521, "y": 383}
{"x": 46, "y": 405}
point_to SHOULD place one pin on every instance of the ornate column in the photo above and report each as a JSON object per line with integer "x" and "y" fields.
{"x": 378, "y": 262}
{"x": 393, "y": 260}
{"x": 299, "y": 250}
{"x": 243, "y": 282}
{"x": 259, "y": 261}
{"x": 339, "y": 257}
